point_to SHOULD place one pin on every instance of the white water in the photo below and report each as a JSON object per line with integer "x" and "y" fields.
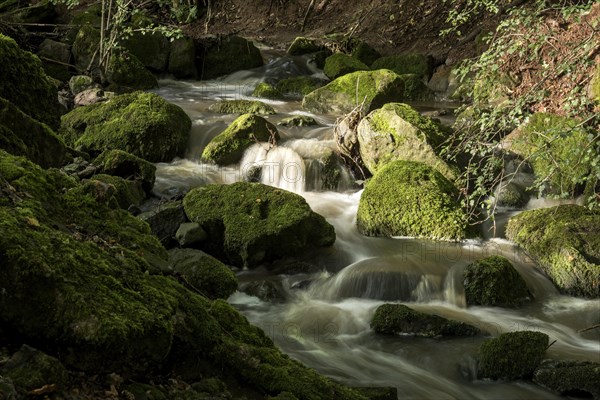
{"x": 325, "y": 324}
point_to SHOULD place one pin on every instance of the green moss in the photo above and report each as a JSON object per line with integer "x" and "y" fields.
{"x": 407, "y": 198}
{"x": 398, "y": 132}
{"x": 22, "y": 135}
{"x": 126, "y": 73}
{"x": 212, "y": 386}
{"x": 569, "y": 377}
{"x": 493, "y": 281}
{"x": 222, "y": 55}
{"x": 417, "y": 64}
{"x": 330, "y": 172}
{"x": 249, "y": 223}
{"x": 241, "y": 107}
{"x": 512, "y": 355}
{"x": 565, "y": 242}
{"x": 374, "y": 88}
{"x": 84, "y": 47}
{"x": 298, "y": 120}
{"x": 340, "y": 64}
{"x": 555, "y": 147}
{"x": 143, "y": 124}
{"x": 511, "y": 195}
{"x": 228, "y": 147}
{"x": 266, "y": 91}
{"x": 283, "y": 396}
{"x": 128, "y": 166}
{"x": 79, "y": 83}
{"x": 127, "y": 193}
{"x": 302, "y": 45}
{"x": 398, "y": 319}
{"x": 24, "y": 83}
{"x": 594, "y": 90}
{"x": 182, "y": 58}
{"x": 365, "y": 53}
{"x": 31, "y": 369}
{"x": 298, "y": 85}
{"x": 204, "y": 273}
{"x": 415, "y": 89}
{"x": 151, "y": 49}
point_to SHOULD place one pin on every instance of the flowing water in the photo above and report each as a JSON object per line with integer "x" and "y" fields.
{"x": 324, "y": 321}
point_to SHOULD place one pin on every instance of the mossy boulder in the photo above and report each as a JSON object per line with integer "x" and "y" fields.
{"x": 298, "y": 86}
{"x": 555, "y": 146}
{"x": 415, "y": 89}
{"x": 365, "y": 53}
{"x": 126, "y": 73}
{"x": 55, "y": 57}
{"x": 221, "y": 55}
{"x": 576, "y": 378}
{"x": 493, "y": 281}
{"x": 241, "y": 107}
{"x": 250, "y": 223}
{"x": 127, "y": 192}
{"x": 374, "y": 88}
{"x": 164, "y": 220}
{"x": 339, "y": 64}
{"x": 398, "y": 319}
{"x": 417, "y": 64}
{"x": 407, "y": 198}
{"x": 229, "y": 146}
{"x": 143, "y": 124}
{"x": 511, "y": 195}
{"x": 302, "y": 45}
{"x": 298, "y": 120}
{"x": 85, "y": 46}
{"x": 266, "y": 91}
{"x": 22, "y": 135}
{"x": 79, "y": 83}
{"x": 151, "y": 49}
{"x": 128, "y": 166}
{"x": 512, "y": 355}
{"x": 24, "y": 83}
{"x": 565, "y": 242}
{"x": 182, "y": 59}
{"x": 31, "y": 369}
{"x": 398, "y": 132}
{"x": 203, "y": 272}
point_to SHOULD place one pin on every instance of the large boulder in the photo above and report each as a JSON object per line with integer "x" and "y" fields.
{"x": 398, "y": 132}
{"x": 143, "y": 124}
{"x": 513, "y": 355}
{"x": 569, "y": 377}
{"x": 126, "y": 73}
{"x": 182, "y": 59}
{"x": 127, "y": 166}
{"x": 365, "y": 53}
{"x": 371, "y": 89}
{"x": 302, "y": 45}
{"x": 56, "y": 57}
{"x": 298, "y": 86}
{"x": 22, "y": 135}
{"x": 266, "y": 91}
{"x": 493, "y": 281}
{"x": 339, "y": 64}
{"x": 250, "y": 223}
{"x": 85, "y": 49}
{"x": 241, "y": 107}
{"x": 415, "y": 89}
{"x": 24, "y": 83}
{"x": 565, "y": 242}
{"x": 407, "y": 198}
{"x": 418, "y": 64}
{"x": 398, "y": 319}
{"x": 126, "y": 192}
{"x": 164, "y": 220}
{"x": 229, "y": 146}
{"x": 152, "y": 49}
{"x": 221, "y": 55}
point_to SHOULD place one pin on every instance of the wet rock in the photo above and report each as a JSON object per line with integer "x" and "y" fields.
{"x": 569, "y": 378}
{"x": 298, "y": 86}
{"x": 340, "y": 64}
{"x": 415, "y": 88}
{"x": 266, "y": 91}
{"x": 221, "y": 55}
{"x": 250, "y": 223}
{"x": 79, "y": 83}
{"x": 127, "y": 166}
{"x": 398, "y": 132}
{"x": 182, "y": 58}
{"x": 511, "y": 195}
{"x": 565, "y": 243}
{"x": 241, "y": 107}
{"x": 212, "y": 387}
{"x": 143, "y": 124}
{"x": 126, "y": 73}
{"x": 84, "y": 47}
{"x": 365, "y": 53}
{"x": 418, "y": 64}
{"x": 302, "y": 45}
{"x": 407, "y": 198}
{"x": 151, "y": 49}
{"x": 30, "y": 369}
{"x": 298, "y": 120}
{"x": 164, "y": 220}
{"x": 398, "y": 319}
{"x": 229, "y": 146}
{"x": 378, "y": 393}
{"x": 493, "y": 281}
{"x": 128, "y": 192}
{"x": 91, "y": 96}
{"x": 268, "y": 290}
{"x": 513, "y": 355}
{"x": 56, "y": 57}
{"x": 189, "y": 234}
{"x": 344, "y": 94}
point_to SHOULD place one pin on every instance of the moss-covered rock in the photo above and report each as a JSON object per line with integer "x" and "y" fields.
{"x": 79, "y": 83}
{"x": 22, "y": 135}
{"x": 302, "y": 45}
{"x": 493, "y": 281}
{"x": 182, "y": 58}
{"x": 298, "y": 120}
{"x": 24, "y": 83}
{"x": 221, "y": 55}
{"x": 511, "y": 195}
{"x": 7, "y": 389}
{"x": 398, "y": 132}
{"x": 417, "y": 64}
{"x": 365, "y": 53}
{"x": 513, "y": 355}
{"x": 298, "y": 86}
{"x": 250, "y": 223}
{"x": 190, "y": 233}
{"x": 340, "y": 64}
{"x": 164, "y": 220}
{"x": 565, "y": 242}
{"x": 127, "y": 192}
{"x": 576, "y": 378}
{"x": 151, "y": 49}
{"x": 204, "y": 273}
{"x": 143, "y": 124}
{"x": 55, "y": 57}
{"x": 266, "y": 91}
{"x": 594, "y": 88}
{"x": 378, "y": 393}
{"x": 407, "y": 198}
{"x": 31, "y": 369}
{"x": 375, "y": 88}
{"x": 85, "y": 47}
{"x": 228, "y": 147}
{"x": 241, "y": 107}
{"x": 555, "y": 147}
{"x": 128, "y": 166}
{"x": 126, "y": 73}
{"x": 415, "y": 89}
{"x": 398, "y": 319}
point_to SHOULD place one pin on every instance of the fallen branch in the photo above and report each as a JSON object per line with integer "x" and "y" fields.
{"x": 310, "y": 6}
{"x": 597, "y": 326}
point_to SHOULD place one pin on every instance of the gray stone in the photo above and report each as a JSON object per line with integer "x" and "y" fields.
{"x": 190, "y": 233}
{"x": 165, "y": 220}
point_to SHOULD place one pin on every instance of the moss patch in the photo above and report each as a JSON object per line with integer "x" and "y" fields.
{"x": 266, "y": 91}
{"x": 415, "y": 89}
{"x": 151, "y": 49}
{"x": 417, "y": 64}
{"x": 340, "y": 64}
{"x": 365, "y": 53}
{"x": 302, "y": 45}
{"x": 241, "y": 107}
{"x": 407, "y": 198}
{"x": 569, "y": 377}
{"x": 126, "y": 73}
{"x": 31, "y": 369}
{"x": 298, "y": 85}
{"x": 127, "y": 192}
{"x": 249, "y": 223}
{"x": 222, "y": 55}
{"x": 128, "y": 166}
{"x": 143, "y": 124}
{"x": 228, "y": 147}
{"x": 565, "y": 242}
